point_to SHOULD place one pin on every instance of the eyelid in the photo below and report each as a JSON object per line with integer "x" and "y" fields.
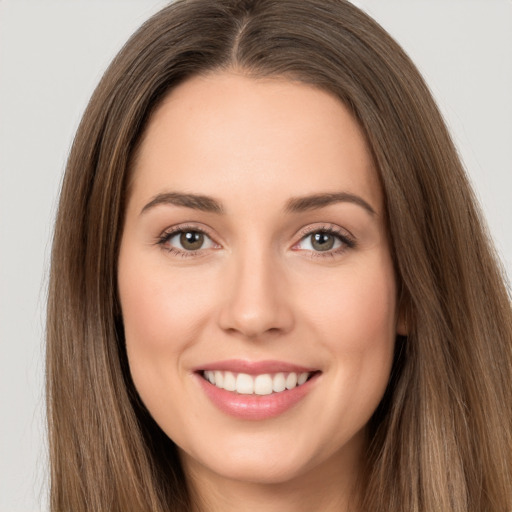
{"x": 324, "y": 226}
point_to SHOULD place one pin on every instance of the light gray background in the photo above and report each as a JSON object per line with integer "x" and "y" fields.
{"x": 52, "y": 54}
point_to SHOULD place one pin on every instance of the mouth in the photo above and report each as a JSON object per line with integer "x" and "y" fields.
{"x": 260, "y": 384}
{"x": 256, "y": 390}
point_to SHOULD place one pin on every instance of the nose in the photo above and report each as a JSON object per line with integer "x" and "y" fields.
{"x": 256, "y": 302}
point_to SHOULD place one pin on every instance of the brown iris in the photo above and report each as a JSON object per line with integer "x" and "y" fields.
{"x": 191, "y": 240}
{"x": 322, "y": 241}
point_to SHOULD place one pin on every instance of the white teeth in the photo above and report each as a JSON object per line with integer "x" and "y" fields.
{"x": 264, "y": 384}
{"x": 229, "y": 381}
{"x": 219, "y": 379}
{"x": 244, "y": 384}
{"x": 279, "y": 383}
{"x": 291, "y": 380}
{"x": 303, "y": 377}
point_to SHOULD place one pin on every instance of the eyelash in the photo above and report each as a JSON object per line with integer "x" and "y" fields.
{"x": 347, "y": 240}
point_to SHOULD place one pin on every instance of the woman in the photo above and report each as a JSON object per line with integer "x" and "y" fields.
{"x": 271, "y": 288}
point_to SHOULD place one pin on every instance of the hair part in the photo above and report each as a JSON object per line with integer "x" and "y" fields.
{"x": 442, "y": 437}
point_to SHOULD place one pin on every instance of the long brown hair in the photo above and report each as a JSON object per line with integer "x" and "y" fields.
{"x": 441, "y": 440}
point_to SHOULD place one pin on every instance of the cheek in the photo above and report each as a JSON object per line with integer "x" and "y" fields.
{"x": 355, "y": 309}
{"x": 368, "y": 310}
{"x": 162, "y": 316}
{"x": 354, "y": 318}
{"x": 159, "y": 310}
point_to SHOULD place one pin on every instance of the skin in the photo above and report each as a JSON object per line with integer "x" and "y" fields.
{"x": 257, "y": 289}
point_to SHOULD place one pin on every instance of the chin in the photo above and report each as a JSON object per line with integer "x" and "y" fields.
{"x": 255, "y": 470}
{"x": 258, "y": 459}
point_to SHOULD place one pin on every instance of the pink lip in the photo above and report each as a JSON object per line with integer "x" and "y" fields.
{"x": 254, "y": 367}
{"x": 255, "y": 407}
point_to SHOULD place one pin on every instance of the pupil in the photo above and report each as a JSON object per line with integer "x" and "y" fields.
{"x": 191, "y": 240}
{"x": 323, "y": 241}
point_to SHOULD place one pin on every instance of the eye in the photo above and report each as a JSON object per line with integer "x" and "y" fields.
{"x": 328, "y": 240}
{"x": 187, "y": 240}
{"x": 321, "y": 241}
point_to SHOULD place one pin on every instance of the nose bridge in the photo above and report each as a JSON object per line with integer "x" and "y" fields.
{"x": 255, "y": 297}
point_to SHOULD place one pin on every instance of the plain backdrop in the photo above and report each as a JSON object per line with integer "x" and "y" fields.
{"x": 52, "y": 54}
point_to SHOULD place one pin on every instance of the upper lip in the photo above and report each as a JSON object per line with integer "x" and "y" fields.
{"x": 254, "y": 367}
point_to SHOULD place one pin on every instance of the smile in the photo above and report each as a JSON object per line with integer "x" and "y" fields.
{"x": 256, "y": 390}
{"x": 263, "y": 384}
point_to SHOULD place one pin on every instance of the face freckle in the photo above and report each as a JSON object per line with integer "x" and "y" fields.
{"x": 254, "y": 254}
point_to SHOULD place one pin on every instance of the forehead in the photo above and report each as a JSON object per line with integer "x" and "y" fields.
{"x": 227, "y": 131}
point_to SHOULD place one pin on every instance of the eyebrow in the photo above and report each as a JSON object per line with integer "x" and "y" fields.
{"x": 194, "y": 201}
{"x": 316, "y": 201}
{"x": 294, "y": 205}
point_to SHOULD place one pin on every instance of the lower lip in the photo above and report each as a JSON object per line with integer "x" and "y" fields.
{"x": 256, "y": 407}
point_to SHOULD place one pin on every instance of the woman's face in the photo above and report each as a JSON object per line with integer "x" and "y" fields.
{"x": 254, "y": 254}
